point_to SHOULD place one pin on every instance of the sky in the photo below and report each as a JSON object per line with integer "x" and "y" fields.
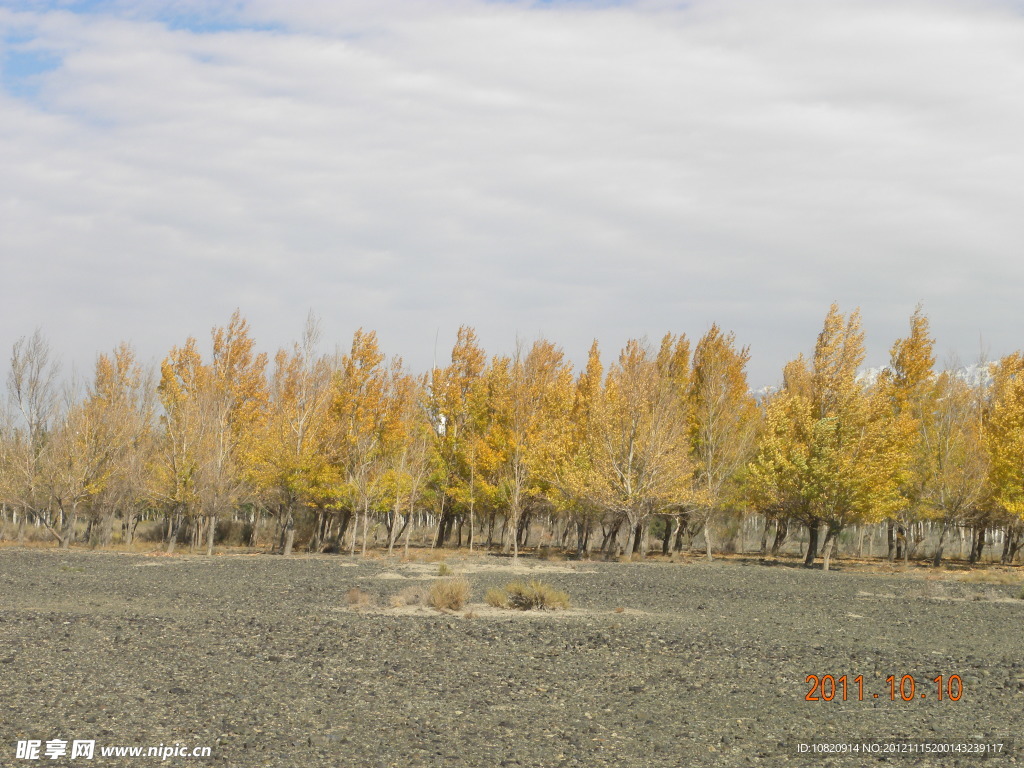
{"x": 566, "y": 169}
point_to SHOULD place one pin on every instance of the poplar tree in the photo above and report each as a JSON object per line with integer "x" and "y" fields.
{"x": 458, "y": 409}
{"x": 831, "y": 452}
{"x": 723, "y": 420}
{"x": 910, "y": 386}
{"x": 292, "y": 455}
{"x": 1004, "y": 431}
{"x": 358, "y": 408}
{"x": 640, "y": 455}
{"x": 533, "y": 393}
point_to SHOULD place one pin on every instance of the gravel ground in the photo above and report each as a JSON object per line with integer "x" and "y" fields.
{"x": 656, "y": 664}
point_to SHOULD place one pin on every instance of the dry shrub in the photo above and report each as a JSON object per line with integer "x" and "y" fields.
{"x": 409, "y": 596}
{"x": 448, "y": 594}
{"x": 535, "y": 595}
{"x": 549, "y": 553}
{"x": 496, "y": 597}
{"x": 358, "y": 598}
{"x": 443, "y": 569}
{"x": 990, "y": 577}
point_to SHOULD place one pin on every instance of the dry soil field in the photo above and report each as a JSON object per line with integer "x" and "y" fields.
{"x": 263, "y": 660}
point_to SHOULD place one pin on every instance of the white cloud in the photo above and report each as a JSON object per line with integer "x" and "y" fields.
{"x": 572, "y": 170}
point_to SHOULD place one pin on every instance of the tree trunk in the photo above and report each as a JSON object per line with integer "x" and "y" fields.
{"x": 978, "y": 547}
{"x": 210, "y": 534}
{"x": 812, "y": 544}
{"x": 681, "y": 529}
{"x": 408, "y": 532}
{"x": 890, "y": 536}
{"x": 253, "y": 531}
{"x": 172, "y": 534}
{"x": 666, "y": 536}
{"x": 344, "y": 518}
{"x": 764, "y": 536}
{"x": 638, "y": 535}
{"x": 707, "y": 539}
{"x": 830, "y": 538}
{"x": 781, "y": 531}
{"x": 610, "y": 535}
{"x": 366, "y": 524}
{"x": 523, "y": 530}
{"x": 68, "y": 529}
{"x": 579, "y": 539}
{"x": 105, "y": 534}
{"x": 289, "y": 535}
{"x": 129, "y": 523}
{"x": 937, "y": 557}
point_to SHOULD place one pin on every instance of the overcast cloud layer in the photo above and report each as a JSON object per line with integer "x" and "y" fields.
{"x": 568, "y": 169}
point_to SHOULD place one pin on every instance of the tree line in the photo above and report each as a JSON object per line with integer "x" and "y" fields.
{"x": 666, "y": 441}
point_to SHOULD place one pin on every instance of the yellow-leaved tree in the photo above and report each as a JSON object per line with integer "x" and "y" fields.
{"x": 1004, "y": 432}
{"x": 458, "y": 409}
{"x": 207, "y": 461}
{"x": 831, "y": 452}
{"x": 530, "y": 396}
{"x": 723, "y": 424}
{"x": 947, "y": 465}
{"x": 292, "y": 455}
{"x": 361, "y": 419}
{"x": 638, "y": 463}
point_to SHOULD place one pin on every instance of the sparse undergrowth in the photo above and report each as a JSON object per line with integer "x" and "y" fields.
{"x": 448, "y": 594}
{"x": 526, "y": 596}
{"x": 990, "y": 577}
{"x": 414, "y": 595}
{"x": 358, "y": 598}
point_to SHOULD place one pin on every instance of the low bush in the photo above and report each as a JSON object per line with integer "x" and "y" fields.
{"x": 443, "y": 569}
{"x": 448, "y": 594}
{"x": 358, "y": 598}
{"x": 549, "y": 553}
{"x": 409, "y": 596}
{"x": 496, "y": 597}
{"x": 533, "y": 595}
{"x": 981, "y": 576}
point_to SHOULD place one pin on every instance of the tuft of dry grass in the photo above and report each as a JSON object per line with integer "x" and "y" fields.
{"x": 550, "y": 554}
{"x": 990, "y": 577}
{"x": 414, "y": 595}
{"x": 496, "y": 597}
{"x": 443, "y": 569}
{"x": 358, "y": 598}
{"x": 526, "y": 596}
{"x": 448, "y": 594}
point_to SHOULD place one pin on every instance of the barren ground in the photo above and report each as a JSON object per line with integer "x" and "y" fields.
{"x": 657, "y": 664}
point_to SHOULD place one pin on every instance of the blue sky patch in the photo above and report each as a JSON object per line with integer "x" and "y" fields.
{"x": 21, "y": 71}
